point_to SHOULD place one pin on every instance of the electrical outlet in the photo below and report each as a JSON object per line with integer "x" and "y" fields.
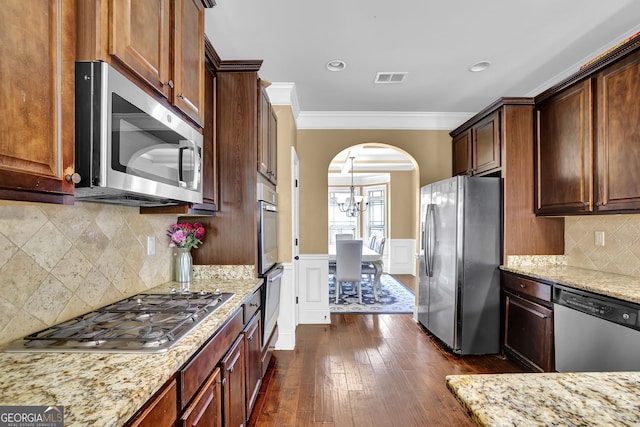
{"x": 151, "y": 245}
{"x": 599, "y": 238}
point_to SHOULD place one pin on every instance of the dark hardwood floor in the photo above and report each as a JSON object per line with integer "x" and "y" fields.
{"x": 366, "y": 370}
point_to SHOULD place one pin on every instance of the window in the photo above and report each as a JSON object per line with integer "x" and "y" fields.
{"x": 339, "y": 222}
{"x": 375, "y": 215}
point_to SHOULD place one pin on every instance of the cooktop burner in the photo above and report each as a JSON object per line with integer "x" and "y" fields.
{"x": 144, "y": 323}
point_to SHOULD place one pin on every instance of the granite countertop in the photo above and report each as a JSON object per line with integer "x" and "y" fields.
{"x": 550, "y": 399}
{"x": 557, "y": 399}
{"x": 609, "y": 284}
{"x": 106, "y": 389}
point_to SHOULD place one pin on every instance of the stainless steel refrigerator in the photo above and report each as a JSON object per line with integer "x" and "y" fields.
{"x": 459, "y": 291}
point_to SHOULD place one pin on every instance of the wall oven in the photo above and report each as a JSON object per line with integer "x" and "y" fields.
{"x": 268, "y": 267}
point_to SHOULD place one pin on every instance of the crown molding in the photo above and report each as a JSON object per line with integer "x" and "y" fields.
{"x": 380, "y": 120}
{"x": 284, "y": 93}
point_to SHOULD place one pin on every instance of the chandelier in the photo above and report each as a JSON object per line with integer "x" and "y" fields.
{"x": 354, "y": 205}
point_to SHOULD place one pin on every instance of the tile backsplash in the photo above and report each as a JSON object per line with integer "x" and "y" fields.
{"x": 57, "y": 262}
{"x": 621, "y": 250}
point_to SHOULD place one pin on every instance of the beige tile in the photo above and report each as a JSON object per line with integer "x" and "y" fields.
{"x": 48, "y": 301}
{"x": 21, "y": 223}
{"x": 7, "y": 250}
{"x": 92, "y": 242}
{"x": 21, "y": 277}
{"x": 47, "y": 247}
{"x": 23, "y": 323}
{"x": 94, "y": 286}
{"x": 72, "y": 269}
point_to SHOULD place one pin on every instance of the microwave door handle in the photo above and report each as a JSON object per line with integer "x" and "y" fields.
{"x": 195, "y": 161}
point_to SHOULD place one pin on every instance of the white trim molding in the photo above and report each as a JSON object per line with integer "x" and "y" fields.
{"x": 380, "y": 120}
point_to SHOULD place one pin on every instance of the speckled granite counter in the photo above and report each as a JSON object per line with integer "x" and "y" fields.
{"x": 610, "y": 284}
{"x": 551, "y": 399}
{"x": 98, "y": 389}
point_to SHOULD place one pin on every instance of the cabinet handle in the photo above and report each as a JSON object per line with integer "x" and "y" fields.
{"x": 74, "y": 178}
{"x": 223, "y": 382}
{"x": 230, "y": 369}
{"x": 169, "y": 83}
{"x": 522, "y": 285}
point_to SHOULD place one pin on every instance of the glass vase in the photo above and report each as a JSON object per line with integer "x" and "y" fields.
{"x": 184, "y": 263}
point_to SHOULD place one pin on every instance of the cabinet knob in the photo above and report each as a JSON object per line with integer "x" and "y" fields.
{"x": 74, "y": 178}
{"x": 181, "y": 95}
{"x": 169, "y": 83}
{"x": 230, "y": 369}
{"x": 522, "y": 285}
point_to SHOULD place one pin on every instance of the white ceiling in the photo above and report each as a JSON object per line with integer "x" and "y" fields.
{"x": 531, "y": 45}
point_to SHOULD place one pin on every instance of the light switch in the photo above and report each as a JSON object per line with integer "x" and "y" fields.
{"x": 151, "y": 245}
{"x": 599, "y": 238}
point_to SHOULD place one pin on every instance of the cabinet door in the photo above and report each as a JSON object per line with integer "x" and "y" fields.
{"x": 273, "y": 145}
{"x": 233, "y": 384}
{"x": 37, "y": 108}
{"x": 618, "y": 137}
{"x": 139, "y": 38}
{"x": 486, "y": 144}
{"x": 162, "y": 410}
{"x": 210, "y": 148}
{"x": 263, "y": 132}
{"x": 528, "y": 332}
{"x": 462, "y": 153}
{"x": 206, "y": 409}
{"x": 188, "y": 51}
{"x": 564, "y": 152}
{"x": 252, "y": 335}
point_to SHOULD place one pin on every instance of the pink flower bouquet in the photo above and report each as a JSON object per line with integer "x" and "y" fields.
{"x": 186, "y": 235}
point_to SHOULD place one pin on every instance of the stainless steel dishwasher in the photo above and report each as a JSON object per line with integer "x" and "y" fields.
{"x": 595, "y": 333}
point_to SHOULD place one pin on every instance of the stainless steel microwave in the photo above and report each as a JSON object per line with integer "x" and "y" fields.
{"x": 130, "y": 149}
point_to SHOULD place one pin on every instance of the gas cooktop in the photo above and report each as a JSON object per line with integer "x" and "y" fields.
{"x": 144, "y": 323}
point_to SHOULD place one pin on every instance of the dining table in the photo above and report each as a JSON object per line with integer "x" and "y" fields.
{"x": 368, "y": 255}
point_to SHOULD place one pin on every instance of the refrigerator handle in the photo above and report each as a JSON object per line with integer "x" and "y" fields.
{"x": 429, "y": 239}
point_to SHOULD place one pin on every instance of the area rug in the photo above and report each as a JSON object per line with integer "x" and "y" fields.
{"x": 395, "y": 298}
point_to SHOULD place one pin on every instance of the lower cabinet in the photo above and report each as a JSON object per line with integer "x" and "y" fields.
{"x": 233, "y": 384}
{"x": 252, "y": 333}
{"x": 528, "y": 322}
{"x": 161, "y": 410}
{"x": 219, "y": 384}
{"x": 206, "y": 409}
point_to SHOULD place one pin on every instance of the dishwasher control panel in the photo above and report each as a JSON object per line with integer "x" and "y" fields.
{"x": 621, "y": 312}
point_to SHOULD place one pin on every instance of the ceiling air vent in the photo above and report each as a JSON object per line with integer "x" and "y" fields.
{"x": 387, "y": 77}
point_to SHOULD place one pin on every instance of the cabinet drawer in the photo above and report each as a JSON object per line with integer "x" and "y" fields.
{"x": 251, "y": 306}
{"x": 196, "y": 371}
{"x": 524, "y": 286}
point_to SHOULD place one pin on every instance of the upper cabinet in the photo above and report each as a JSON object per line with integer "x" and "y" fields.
{"x": 476, "y": 149}
{"x": 498, "y": 141}
{"x": 37, "y": 86}
{"x": 267, "y": 137}
{"x": 159, "y": 42}
{"x": 587, "y": 133}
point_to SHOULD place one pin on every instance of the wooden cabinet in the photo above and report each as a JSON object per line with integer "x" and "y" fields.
{"x": 37, "y": 86}
{"x": 160, "y": 43}
{"x": 476, "y": 150}
{"x": 233, "y": 384}
{"x": 267, "y": 138}
{"x": 462, "y": 153}
{"x": 252, "y": 334}
{"x": 563, "y": 152}
{"x": 234, "y": 228}
{"x": 618, "y": 136}
{"x": 528, "y": 322}
{"x": 161, "y": 410}
{"x": 206, "y": 409}
{"x": 587, "y": 160}
{"x": 504, "y": 135}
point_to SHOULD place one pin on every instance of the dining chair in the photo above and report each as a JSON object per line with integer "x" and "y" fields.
{"x": 372, "y": 242}
{"x": 344, "y": 236}
{"x": 370, "y": 269}
{"x": 348, "y": 265}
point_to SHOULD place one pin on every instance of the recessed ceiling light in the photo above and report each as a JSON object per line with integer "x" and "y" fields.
{"x": 480, "y": 66}
{"x": 336, "y": 65}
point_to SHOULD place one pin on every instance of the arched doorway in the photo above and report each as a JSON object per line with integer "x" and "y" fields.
{"x": 388, "y": 178}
